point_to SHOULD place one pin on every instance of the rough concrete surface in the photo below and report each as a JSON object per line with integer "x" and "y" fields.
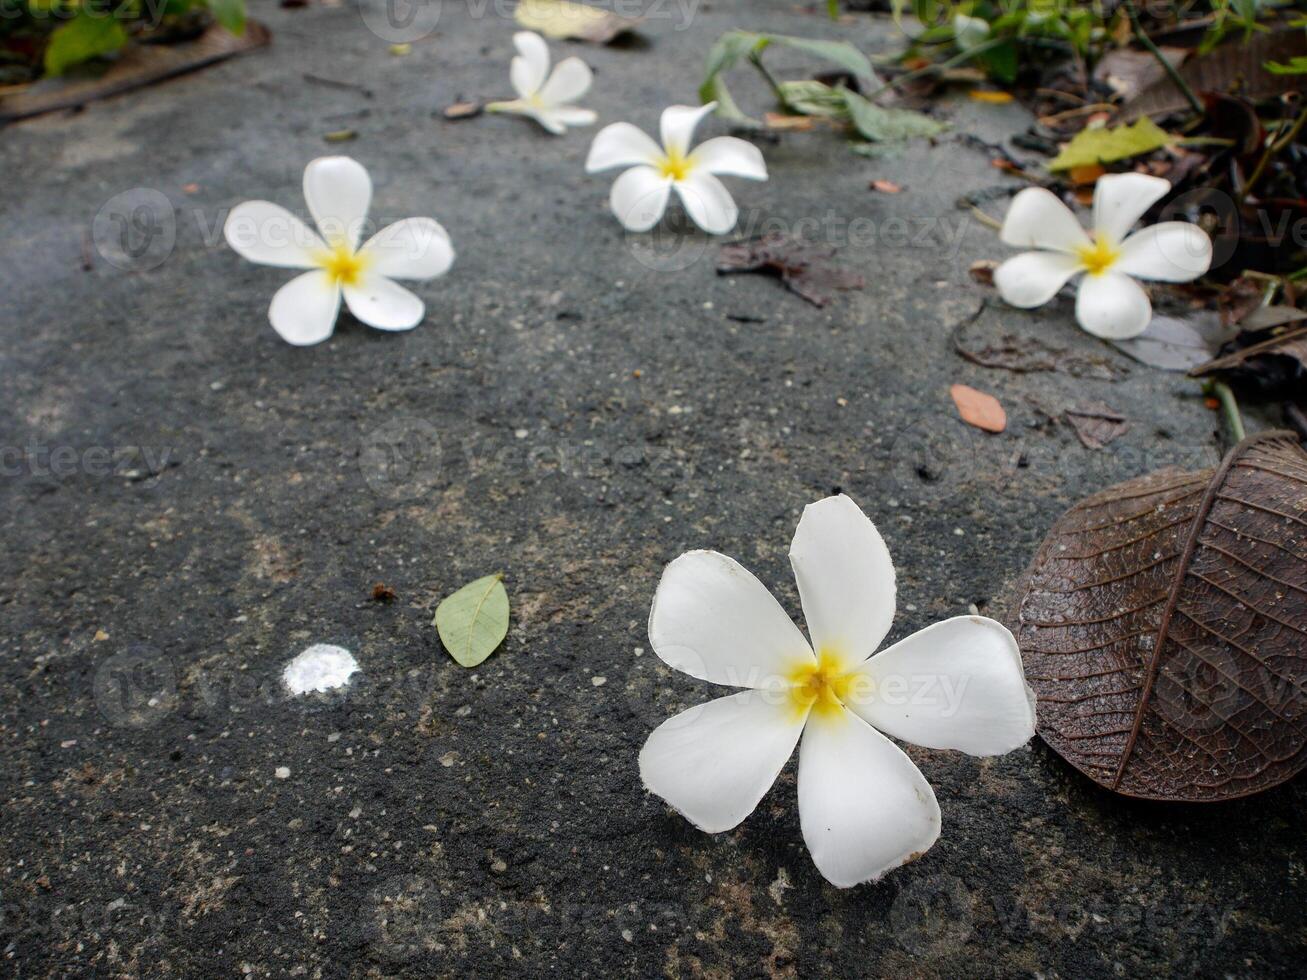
{"x": 574, "y": 417}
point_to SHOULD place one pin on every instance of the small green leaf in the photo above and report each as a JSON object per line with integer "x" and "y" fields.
{"x": 1103, "y": 145}
{"x": 81, "y": 39}
{"x": 888, "y": 125}
{"x": 229, "y": 13}
{"x": 812, "y": 98}
{"x": 1297, "y": 65}
{"x": 474, "y": 620}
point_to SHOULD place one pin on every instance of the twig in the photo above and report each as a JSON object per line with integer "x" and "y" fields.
{"x": 985, "y": 219}
{"x": 1229, "y": 407}
{"x": 1273, "y": 147}
{"x": 1156, "y": 52}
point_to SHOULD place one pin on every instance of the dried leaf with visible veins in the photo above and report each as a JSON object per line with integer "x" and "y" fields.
{"x": 1163, "y": 624}
{"x": 802, "y": 266}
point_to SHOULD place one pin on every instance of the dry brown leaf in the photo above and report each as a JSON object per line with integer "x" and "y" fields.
{"x": 783, "y": 123}
{"x": 978, "y": 408}
{"x": 802, "y": 266}
{"x": 1164, "y": 629}
{"x": 1096, "y": 425}
{"x": 885, "y": 187}
{"x": 463, "y": 110}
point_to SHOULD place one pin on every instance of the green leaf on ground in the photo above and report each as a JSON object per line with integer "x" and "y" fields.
{"x": 81, "y": 39}
{"x": 1296, "y": 65}
{"x": 1103, "y": 145}
{"x": 881, "y": 125}
{"x": 474, "y": 620}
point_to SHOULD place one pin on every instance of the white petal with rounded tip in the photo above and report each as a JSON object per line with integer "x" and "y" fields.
{"x": 621, "y": 145}
{"x": 383, "y": 303}
{"x": 1121, "y": 199}
{"x": 338, "y": 191}
{"x": 708, "y": 202}
{"x": 304, "y": 310}
{"x": 529, "y": 69}
{"x": 715, "y": 761}
{"x": 1173, "y": 251}
{"x": 845, "y": 577}
{"x": 570, "y": 80}
{"x": 568, "y": 115}
{"x": 678, "y": 124}
{"x": 865, "y": 809}
{"x": 639, "y": 198}
{"x": 268, "y": 234}
{"x": 1113, "y": 306}
{"x": 1033, "y": 278}
{"x": 958, "y": 684}
{"x": 713, "y": 620}
{"x": 415, "y": 248}
{"x": 730, "y": 156}
{"x": 1038, "y": 219}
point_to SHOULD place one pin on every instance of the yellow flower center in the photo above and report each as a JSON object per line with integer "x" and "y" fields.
{"x": 342, "y": 264}
{"x": 823, "y": 686}
{"x": 1098, "y": 257}
{"x": 675, "y": 166}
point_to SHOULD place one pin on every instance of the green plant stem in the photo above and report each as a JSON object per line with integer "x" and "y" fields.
{"x": 1273, "y": 148}
{"x": 957, "y": 59}
{"x": 1156, "y": 52}
{"x": 755, "y": 58}
{"x": 1229, "y": 407}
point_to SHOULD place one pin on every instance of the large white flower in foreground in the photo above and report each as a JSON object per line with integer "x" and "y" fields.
{"x": 863, "y": 806}
{"x": 338, "y": 191}
{"x": 639, "y": 196}
{"x": 546, "y": 98}
{"x": 1109, "y": 302}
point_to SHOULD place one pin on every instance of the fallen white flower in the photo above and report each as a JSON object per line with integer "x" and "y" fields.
{"x": 1109, "y": 303}
{"x": 639, "y": 196}
{"x": 864, "y": 808}
{"x": 542, "y": 96}
{"x": 338, "y": 191}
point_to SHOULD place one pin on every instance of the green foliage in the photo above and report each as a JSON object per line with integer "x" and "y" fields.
{"x": 1294, "y": 66}
{"x": 60, "y": 34}
{"x": 1233, "y": 16}
{"x": 84, "y": 36}
{"x": 1103, "y": 145}
{"x": 734, "y": 45}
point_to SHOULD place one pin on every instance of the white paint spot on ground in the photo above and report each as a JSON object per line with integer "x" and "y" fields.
{"x": 319, "y": 668}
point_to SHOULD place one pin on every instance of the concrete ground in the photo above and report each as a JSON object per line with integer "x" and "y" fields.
{"x": 188, "y": 502}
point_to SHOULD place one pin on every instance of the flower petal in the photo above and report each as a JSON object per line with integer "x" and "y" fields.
{"x": 304, "y": 310}
{"x": 678, "y": 124}
{"x": 713, "y": 620}
{"x": 730, "y": 156}
{"x": 956, "y": 685}
{"x": 715, "y": 761}
{"x": 531, "y": 66}
{"x": 415, "y": 248}
{"x": 570, "y": 80}
{"x": 621, "y": 145}
{"x": 268, "y": 234}
{"x": 383, "y": 303}
{"x": 569, "y": 115}
{"x": 863, "y": 806}
{"x": 845, "y": 576}
{"x": 1033, "y": 278}
{"x": 1113, "y": 306}
{"x": 338, "y": 191}
{"x": 1038, "y": 219}
{"x": 1173, "y": 251}
{"x": 708, "y": 202}
{"x": 1121, "y": 199}
{"x": 639, "y": 198}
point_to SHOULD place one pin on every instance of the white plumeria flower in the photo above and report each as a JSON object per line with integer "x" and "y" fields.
{"x": 1109, "y": 303}
{"x": 542, "y": 96}
{"x": 639, "y": 196}
{"x": 338, "y": 191}
{"x": 863, "y": 806}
